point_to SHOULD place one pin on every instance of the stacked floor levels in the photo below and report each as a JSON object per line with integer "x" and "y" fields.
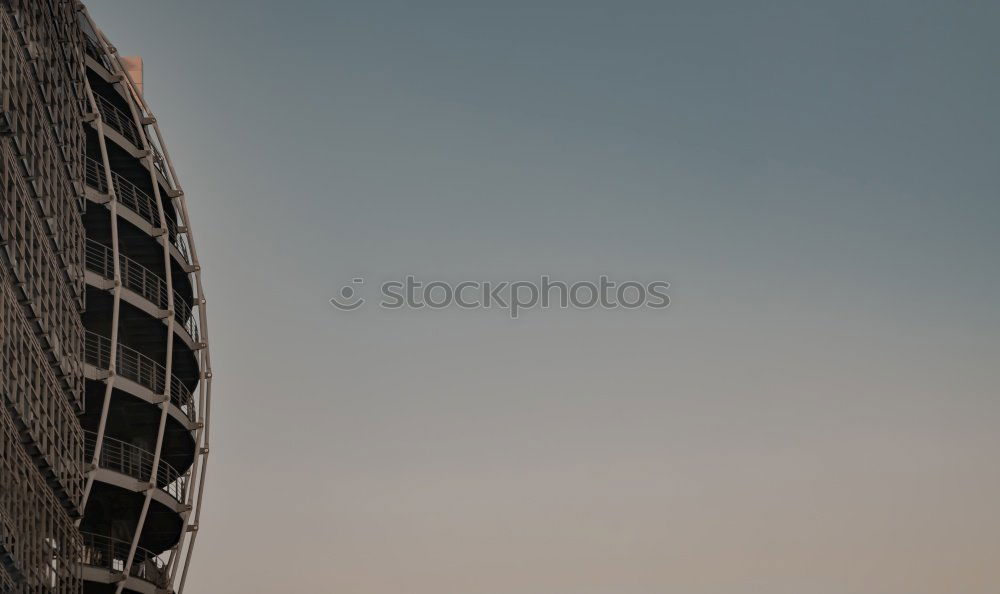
{"x": 105, "y": 372}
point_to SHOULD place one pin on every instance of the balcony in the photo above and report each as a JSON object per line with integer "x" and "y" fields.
{"x": 136, "y": 200}
{"x": 90, "y": 46}
{"x": 133, "y": 365}
{"x": 111, "y": 554}
{"x": 118, "y": 120}
{"x": 133, "y": 461}
{"x": 141, "y": 280}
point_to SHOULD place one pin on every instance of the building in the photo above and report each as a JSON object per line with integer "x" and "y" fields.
{"x": 105, "y": 375}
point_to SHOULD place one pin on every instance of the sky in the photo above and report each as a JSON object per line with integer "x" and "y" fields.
{"x": 814, "y": 413}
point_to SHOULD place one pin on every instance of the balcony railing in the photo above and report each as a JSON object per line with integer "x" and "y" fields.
{"x": 134, "y": 199}
{"x": 112, "y": 554}
{"x": 138, "y": 278}
{"x": 131, "y": 460}
{"x": 90, "y": 46}
{"x": 117, "y": 119}
{"x": 115, "y": 116}
{"x": 133, "y": 365}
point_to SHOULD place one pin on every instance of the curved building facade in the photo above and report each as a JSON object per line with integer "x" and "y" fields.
{"x": 106, "y": 367}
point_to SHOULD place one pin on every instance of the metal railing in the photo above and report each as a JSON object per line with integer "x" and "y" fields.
{"x": 90, "y": 46}
{"x": 133, "y": 365}
{"x": 136, "y": 200}
{"x": 138, "y": 278}
{"x": 117, "y": 119}
{"x": 112, "y": 554}
{"x": 134, "y": 276}
{"x": 135, "y": 462}
{"x": 115, "y": 116}
{"x": 127, "y": 192}
{"x": 94, "y": 175}
{"x": 184, "y": 314}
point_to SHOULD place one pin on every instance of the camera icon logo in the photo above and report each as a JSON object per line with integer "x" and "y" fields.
{"x": 347, "y": 300}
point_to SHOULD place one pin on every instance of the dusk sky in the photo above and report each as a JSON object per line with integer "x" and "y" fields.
{"x": 815, "y": 413}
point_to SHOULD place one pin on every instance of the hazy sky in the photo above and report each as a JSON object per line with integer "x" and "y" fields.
{"x": 817, "y": 411}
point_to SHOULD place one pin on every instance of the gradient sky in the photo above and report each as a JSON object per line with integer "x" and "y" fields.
{"x": 817, "y": 411}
